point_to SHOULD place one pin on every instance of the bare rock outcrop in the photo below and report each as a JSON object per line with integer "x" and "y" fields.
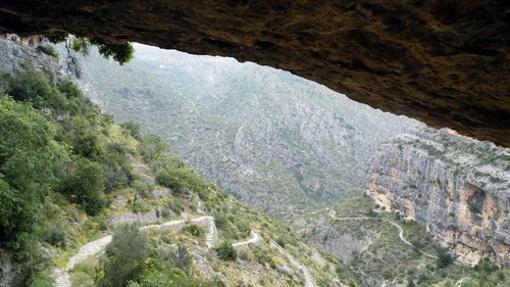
{"x": 459, "y": 188}
{"x": 15, "y": 53}
{"x": 442, "y": 62}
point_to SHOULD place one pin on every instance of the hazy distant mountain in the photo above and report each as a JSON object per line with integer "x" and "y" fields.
{"x": 274, "y": 140}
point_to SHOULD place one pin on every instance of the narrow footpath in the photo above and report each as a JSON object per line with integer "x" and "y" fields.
{"x": 63, "y": 279}
{"x": 400, "y": 229}
{"x": 307, "y": 275}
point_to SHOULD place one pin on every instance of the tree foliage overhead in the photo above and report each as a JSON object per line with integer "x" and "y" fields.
{"x": 121, "y": 53}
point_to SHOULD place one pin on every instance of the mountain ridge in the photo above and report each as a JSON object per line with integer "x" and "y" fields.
{"x": 268, "y": 130}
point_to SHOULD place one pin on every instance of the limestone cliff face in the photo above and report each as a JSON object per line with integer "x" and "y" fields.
{"x": 459, "y": 188}
{"x": 443, "y": 62}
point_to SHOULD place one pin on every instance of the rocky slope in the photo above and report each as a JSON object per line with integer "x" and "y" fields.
{"x": 459, "y": 188}
{"x": 276, "y": 141}
{"x": 443, "y": 62}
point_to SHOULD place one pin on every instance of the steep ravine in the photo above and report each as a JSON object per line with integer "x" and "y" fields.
{"x": 459, "y": 188}
{"x": 275, "y": 141}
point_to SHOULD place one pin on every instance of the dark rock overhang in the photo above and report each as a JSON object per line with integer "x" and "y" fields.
{"x": 444, "y": 62}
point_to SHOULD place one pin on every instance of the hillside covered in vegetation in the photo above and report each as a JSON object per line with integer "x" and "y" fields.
{"x": 70, "y": 176}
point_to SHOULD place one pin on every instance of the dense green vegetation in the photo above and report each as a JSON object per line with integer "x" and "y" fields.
{"x": 53, "y": 142}
{"x": 63, "y": 167}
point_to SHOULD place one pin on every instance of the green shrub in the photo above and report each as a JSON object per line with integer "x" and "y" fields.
{"x": 17, "y": 215}
{"x": 85, "y": 138}
{"x": 178, "y": 178}
{"x": 221, "y": 221}
{"x": 48, "y": 50}
{"x": 485, "y": 266}
{"x": 139, "y": 206}
{"x": 181, "y": 257}
{"x": 243, "y": 255}
{"x": 85, "y": 185}
{"x": 142, "y": 188}
{"x": 133, "y": 128}
{"x": 33, "y": 86}
{"x": 77, "y": 103}
{"x": 280, "y": 242}
{"x": 263, "y": 257}
{"x": 116, "y": 167}
{"x": 165, "y": 212}
{"x": 194, "y": 230}
{"x": 56, "y": 236}
{"x": 29, "y": 158}
{"x": 169, "y": 179}
{"x": 474, "y": 207}
{"x": 125, "y": 257}
{"x": 173, "y": 278}
{"x": 152, "y": 147}
{"x": 226, "y": 252}
{"x": 175, "y": 204}
{"x": 443, "y": 258}
{"x": 83, "y": 274}
{"x": 372, "y": 213}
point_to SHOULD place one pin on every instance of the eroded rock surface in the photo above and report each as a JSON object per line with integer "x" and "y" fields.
{"x": 457, "y": 187}
{"x": 443, "y": 62}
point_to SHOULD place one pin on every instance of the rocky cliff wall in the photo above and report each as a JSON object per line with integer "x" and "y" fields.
{"x": 457, "y": 187}
{"x": 15, "y": 52}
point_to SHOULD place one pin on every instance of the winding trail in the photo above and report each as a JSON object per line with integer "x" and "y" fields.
{"x": 63, "y": 279}
{"x": 400, "y": 229}
{"x": 309, "y": 281}
{"x": 254, "y": 240}
{"x": 61, "y": 275}
{"x": 459, "y": 282}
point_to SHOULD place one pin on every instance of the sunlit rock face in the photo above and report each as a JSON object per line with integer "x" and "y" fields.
{"x": 443, "y": 62}
{"x": 457, "y": 187}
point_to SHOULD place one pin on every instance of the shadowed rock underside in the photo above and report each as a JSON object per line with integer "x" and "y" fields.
{"x": 443, "y": 62}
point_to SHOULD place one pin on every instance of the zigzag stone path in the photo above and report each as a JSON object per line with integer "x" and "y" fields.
{"x": 62, "y": 278}
{"x": 61, "y": 275}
